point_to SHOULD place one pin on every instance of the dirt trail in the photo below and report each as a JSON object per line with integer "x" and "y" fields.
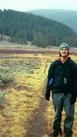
{"x": 36, "y": 126}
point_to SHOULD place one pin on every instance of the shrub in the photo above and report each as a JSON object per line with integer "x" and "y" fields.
{"x": 6, "y": 76}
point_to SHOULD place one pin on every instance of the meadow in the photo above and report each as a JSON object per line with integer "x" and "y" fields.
{"x": 25, "y": 112}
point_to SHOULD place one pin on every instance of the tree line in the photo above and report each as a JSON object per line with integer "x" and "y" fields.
{"x": 22, "y": 27}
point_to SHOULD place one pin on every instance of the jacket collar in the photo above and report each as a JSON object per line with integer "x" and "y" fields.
{"x": 59, "y": 60}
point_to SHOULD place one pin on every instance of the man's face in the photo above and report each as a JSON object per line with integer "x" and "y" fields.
{"x": 64, "y": 52}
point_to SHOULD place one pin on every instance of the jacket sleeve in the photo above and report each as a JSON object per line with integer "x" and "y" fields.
{"x": 50, "y": 75}
{"x": 74, "y": 88}
{"x": 75, "y": 81}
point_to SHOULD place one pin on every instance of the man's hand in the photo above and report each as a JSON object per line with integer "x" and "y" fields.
{"x": 73, "y": 99}
{"x": 47, "y": 95}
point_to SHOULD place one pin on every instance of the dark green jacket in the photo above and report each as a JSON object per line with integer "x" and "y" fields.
{"x": 66, "y": 71}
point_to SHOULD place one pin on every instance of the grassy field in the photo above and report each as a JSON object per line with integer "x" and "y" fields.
{"x": 26, "y": 113}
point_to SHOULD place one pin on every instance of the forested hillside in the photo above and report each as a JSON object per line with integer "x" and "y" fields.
{"x": 22, "y": 27}
{"x": 67, "y": 17}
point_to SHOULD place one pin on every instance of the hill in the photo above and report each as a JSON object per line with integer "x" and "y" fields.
{"x": 67, "y": 17}
{"x": 22, "y": 27}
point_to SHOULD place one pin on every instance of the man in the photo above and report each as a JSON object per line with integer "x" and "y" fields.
{"x": 62, "y": 80}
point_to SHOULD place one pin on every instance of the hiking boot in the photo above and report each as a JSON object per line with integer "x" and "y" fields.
{"x": 60, "y": 132}
{"x": 53, "y": 135}
{"x": 68, "y": 134}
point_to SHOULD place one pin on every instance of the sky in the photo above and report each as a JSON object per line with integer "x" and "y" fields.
{"x": 27, "y": 5}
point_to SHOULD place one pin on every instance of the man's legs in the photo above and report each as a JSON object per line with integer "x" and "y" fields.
{"x": 58, "y": 107}
{"x": 69, "y": 110}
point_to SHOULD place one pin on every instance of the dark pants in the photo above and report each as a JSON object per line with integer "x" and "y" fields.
{"x": 61, "y": 101}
